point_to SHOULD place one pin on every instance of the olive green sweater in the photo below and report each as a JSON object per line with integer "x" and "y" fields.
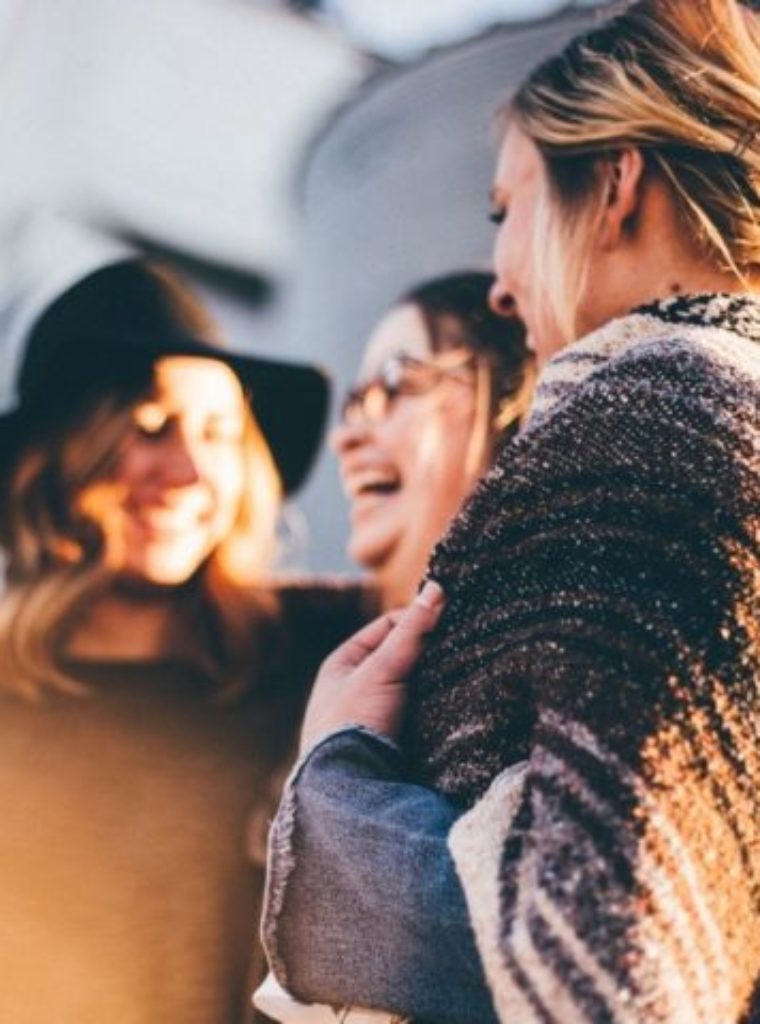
{"x": 131, "y": 833}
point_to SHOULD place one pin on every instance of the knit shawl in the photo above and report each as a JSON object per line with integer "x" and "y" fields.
{"x": 603, "y": 625}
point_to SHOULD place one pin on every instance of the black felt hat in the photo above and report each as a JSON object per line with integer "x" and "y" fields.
{"x": 104, "y": 332}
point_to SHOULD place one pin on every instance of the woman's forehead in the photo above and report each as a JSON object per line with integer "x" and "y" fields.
{"x": 519, "y": 162}
{"x": 401, "y": 331}
{"x": 195, "y": 382}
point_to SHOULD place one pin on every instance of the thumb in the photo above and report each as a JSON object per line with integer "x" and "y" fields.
{"x": 397, "y": 654}
{"x": 357, "y": 648}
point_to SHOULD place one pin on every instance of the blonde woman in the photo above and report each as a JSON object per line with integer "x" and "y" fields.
{"x": 604, "y": 859}
{"x": 152, "y": 680}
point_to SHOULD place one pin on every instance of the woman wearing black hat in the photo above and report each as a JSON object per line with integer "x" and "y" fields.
{"x": 150, "y": 680}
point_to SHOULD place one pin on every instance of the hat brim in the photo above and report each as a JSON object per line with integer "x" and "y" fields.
{"x": 290, "y": 401}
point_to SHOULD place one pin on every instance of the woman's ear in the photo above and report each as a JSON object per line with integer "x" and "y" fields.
{"x": 625, "y": 173}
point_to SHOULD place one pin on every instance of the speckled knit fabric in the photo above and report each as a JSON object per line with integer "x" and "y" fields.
{"x": 603, "y": 622}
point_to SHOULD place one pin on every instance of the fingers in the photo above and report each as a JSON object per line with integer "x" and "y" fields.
{"x": 432, "y": 597}
{"x": 363, "y": 681}
{"x": 393, "y": 642}
{"x": 358, "y": 647}
{"x": 397, "y": 653}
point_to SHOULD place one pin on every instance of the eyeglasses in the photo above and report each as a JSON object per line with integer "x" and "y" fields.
{"x": 402, "y": 375}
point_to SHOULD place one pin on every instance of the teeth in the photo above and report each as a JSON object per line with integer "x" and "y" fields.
{"x": 370, "y": 480}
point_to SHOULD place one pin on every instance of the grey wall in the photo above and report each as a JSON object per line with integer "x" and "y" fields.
{"x": 396, "y": 190}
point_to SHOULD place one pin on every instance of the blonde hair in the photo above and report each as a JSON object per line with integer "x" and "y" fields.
{"x": 55, "y": 552}
{"x": 679, "y": 80}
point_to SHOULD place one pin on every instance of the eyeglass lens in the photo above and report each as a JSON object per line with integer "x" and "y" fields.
{"x": 399, "y": 375}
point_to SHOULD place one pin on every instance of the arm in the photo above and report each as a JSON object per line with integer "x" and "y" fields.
{"x": 625, "y": 887}
{"x": 364, "y": 905}
{"x": 628, "y": 890}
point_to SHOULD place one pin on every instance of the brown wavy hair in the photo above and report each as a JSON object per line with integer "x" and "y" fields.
{"x": 54, "y": 549}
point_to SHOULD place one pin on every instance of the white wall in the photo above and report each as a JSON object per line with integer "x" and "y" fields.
{"x": 183, "y": 120}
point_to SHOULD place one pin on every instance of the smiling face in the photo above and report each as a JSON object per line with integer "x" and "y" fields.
{"x": 404, "y": 472}
{"x": 177, "y": 487}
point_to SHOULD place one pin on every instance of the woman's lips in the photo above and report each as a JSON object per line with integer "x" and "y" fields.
{"x": 167, "y": 523}
{"x": 371, "y": 482}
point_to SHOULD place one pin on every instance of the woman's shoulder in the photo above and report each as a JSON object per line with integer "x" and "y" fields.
{"x": 306, "y": 619}
{"x": 664, "y": 403}
{"x": 698, "y": 348}
{"x": 715, "y": 359}
{"x": 322, "y": 611}
{"x": 715, "y": 332}
{"x": 653, "y": 372}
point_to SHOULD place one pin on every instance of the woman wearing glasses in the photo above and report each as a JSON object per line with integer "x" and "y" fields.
{"x": 606, "y": 573}
{"x": 442, "y": 387}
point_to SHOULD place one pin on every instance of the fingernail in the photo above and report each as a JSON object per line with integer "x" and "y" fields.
{"x": 431, "y": 595}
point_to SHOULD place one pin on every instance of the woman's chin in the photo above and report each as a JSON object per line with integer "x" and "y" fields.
{"x": 367, "y": 556}
{"x": 376, "y": 530}
{"x": 159, "y": 574}
{"x": 394, "y": 577}
{"x": 141, "y": 586}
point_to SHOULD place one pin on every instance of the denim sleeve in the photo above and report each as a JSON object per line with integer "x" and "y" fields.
{"x": 364, "y": 906}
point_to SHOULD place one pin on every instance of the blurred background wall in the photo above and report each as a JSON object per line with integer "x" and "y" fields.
{"x": 303, "y": 163}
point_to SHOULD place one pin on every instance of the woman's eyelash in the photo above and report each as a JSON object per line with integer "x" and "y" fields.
{"x": 498, "y": 214}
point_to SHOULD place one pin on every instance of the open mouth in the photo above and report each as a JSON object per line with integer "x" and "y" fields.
{"x": 373, "y": 483}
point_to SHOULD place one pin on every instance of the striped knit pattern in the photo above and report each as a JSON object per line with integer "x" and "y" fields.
{"x": 603, "y": 622}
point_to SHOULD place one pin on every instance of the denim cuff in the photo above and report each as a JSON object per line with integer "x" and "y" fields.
{"x": 364, "y": 906}
{"x": 347, "y": 740}
{"x": 348, "y": 733}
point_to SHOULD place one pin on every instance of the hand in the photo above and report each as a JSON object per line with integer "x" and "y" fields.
{"x": 363, "y": 682}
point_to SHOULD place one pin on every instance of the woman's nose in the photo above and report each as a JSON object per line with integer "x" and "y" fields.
{"x": 347, "y": 434}
{"x": 179, "y": 464}
{"x": 501, "y": 300}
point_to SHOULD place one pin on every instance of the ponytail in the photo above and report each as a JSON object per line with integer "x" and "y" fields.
{"x": 678, "y": 79}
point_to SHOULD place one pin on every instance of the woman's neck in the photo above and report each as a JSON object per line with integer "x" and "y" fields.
{"x": 692, "y": 280}
{"x": 650, "y": 288}
{"x": 654, "y": 258}
{"x": 124, "y": 624}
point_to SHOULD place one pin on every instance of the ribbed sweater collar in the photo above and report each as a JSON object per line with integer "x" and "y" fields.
{"x": 689, "y": 317}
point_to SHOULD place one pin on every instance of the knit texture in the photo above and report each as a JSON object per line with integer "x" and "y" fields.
{"x": 603, "y": 621}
